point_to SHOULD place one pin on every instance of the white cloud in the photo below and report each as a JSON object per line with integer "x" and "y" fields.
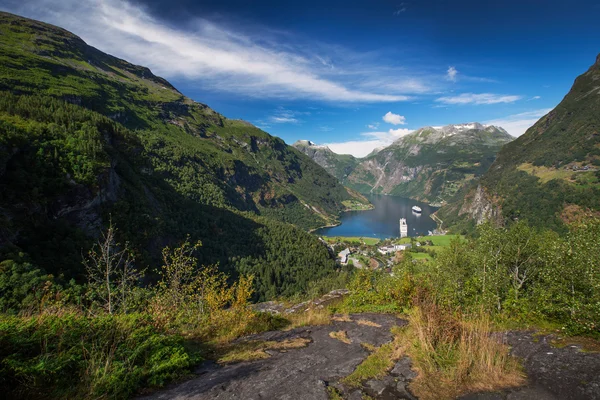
{"x": 282, "y": 120}
{"x": 482, "y": 98}
{"x": 394, "y": 119}
{"x": 451, "y": 74}
{"x": 281, "y": 116}
{"x": 202, "y": 51}
{"x": 373, "y": 126}
{"x": 517, "y": 124}
{"x": 535, "y": 98}
{"x": 361, "y": 148}
{"x": 400, "y": 9}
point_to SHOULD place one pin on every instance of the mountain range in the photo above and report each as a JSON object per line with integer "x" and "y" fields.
{"x": 549, "y": 176}
{"x": 87, "y": 138}
{"x": 430, "y": 164}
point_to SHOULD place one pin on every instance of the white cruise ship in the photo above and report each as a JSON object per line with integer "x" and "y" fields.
{"x": 416, "y": 209}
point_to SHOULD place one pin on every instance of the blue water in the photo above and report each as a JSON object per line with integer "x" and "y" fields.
{"x": 383, "y": 221}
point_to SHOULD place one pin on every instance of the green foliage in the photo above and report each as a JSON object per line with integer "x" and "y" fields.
{"x": 84, "y": 135}
{"x": 73, "y": 356}
{"x": 377, "y": 291}
{"x": 445, "y": 163}
{"x": 565, "y": 137}
{"x": 22, "y": 286}
{"x": 525, "y": 274}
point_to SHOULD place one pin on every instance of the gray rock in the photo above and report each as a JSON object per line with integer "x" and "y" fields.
{"x": 403, "y": 369}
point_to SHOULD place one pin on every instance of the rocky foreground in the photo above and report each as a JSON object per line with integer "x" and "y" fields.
{"x": 569, "y": 372}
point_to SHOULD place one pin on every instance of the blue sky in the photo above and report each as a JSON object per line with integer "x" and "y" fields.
{"x": 351, "y": 74}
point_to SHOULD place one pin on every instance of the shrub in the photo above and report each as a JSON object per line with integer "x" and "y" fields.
{"x": 74, "y": 356}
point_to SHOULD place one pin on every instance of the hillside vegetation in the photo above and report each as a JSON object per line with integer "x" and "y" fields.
{"x": 85, "y": 136}
{"x": 551, "y": 174}
{"x": 430, "y": 164}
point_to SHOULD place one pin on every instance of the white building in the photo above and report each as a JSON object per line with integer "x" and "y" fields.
{"x": 394, "y": 248}
{"x": 343, "y": 256}
{"x": 403, "y": 228}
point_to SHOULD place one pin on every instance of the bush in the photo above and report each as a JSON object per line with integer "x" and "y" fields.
{"x": 74, "y": 356}
{"x": 22, "y": 286}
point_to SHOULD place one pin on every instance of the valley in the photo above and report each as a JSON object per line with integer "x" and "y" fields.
{"x": 152, "y": 247}
{"x": 430, "y": 164}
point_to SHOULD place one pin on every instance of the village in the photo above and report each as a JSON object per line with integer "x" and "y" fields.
{"x": 374, "y": 253}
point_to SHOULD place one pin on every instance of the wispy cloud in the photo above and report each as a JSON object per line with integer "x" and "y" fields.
{"x": 534, "y": 98}
{"x": 214, "y": 55}
{"x": 282, "y": 115}
{"x": 401, "y": 8}
{"x": 373, "y": 126}
{"x": 451, "y": 74}
{"x": 481, "y": 98}
{"x": 394, "y": 119}
{"x": 371, "y": 141}
{"x": 517, "y": 124}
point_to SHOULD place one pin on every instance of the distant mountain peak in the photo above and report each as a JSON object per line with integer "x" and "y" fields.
{"x": 308, "y": 143}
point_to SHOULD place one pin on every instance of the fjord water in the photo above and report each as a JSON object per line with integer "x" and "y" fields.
{"x": 383, "y": 221}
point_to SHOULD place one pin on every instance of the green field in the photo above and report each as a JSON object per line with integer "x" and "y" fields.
{"x": 438, "y": 241}
{"x": 421, "y": 256}
{"x": 352, "y": 240}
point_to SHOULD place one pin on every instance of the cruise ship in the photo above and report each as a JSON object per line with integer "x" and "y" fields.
{"x": 416, "y": 209}
{"x": 403, "y": 228}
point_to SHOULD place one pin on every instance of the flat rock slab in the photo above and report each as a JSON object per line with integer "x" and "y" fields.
{"x": 295, "y": 374}
{"x": 566, "y": 373}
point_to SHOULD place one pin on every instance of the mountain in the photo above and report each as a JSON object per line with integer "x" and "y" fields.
{"x": 430, "y": 164}
{"x": 86, "y": 137}
{"x": 338, "y": 165}
{"x": 550, "y": 175}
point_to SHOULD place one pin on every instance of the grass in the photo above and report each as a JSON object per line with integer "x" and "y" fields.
{"x": 546, "y": 174}
{"x": 368, "y": 323}
{"x": 377, "y": 364}
{"x": 334, "y": 393}
{"x": 256, "y": 350}
{"x": 313, "y": 316}
{"x": 352, "y": 240}
{"x": 421, "y": 256}
{"x": 454, "y": 355}
{"x": 353, "y": 205}
{"x": 342, "y": 336}
{"x": 369, "y": 347}
{"x": 438, "y": 241}
{"x": 342, "y": 318}
{"x": 586, "y": 344}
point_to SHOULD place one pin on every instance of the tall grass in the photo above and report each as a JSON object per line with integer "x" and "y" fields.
{"x": 454, "y": 354}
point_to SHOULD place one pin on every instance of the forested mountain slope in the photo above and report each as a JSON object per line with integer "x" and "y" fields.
{"x": 338, "y": 165}
{"x": 84, "y": 135}
{"x": 430, "y": 164}
{"x": 548, "y": 176}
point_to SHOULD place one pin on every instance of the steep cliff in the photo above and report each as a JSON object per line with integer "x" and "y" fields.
{"x": 85, "y": 137}
{"x": 553, "y": 168}
{"x": 430, "y": 164}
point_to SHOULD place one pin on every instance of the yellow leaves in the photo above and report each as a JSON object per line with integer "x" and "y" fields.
{"x": 198, "y": 299}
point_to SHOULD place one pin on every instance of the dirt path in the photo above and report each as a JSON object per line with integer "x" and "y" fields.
{"x": 305, "y": 373}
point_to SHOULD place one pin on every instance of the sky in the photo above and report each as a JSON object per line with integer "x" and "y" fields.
{"x": 355, "y": 75}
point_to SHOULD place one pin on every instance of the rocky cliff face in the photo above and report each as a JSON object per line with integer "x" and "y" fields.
{"x": 553, "y": 167}
{"x": 480, "y": 208}
{"x": 430, "y": 164}
{"x": 86, "y": 137}
{"x": 338, "y": 165}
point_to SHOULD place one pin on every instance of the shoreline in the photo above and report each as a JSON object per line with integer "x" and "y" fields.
{"x": 338, "y": 223}
{"x": 324, "y": 226}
